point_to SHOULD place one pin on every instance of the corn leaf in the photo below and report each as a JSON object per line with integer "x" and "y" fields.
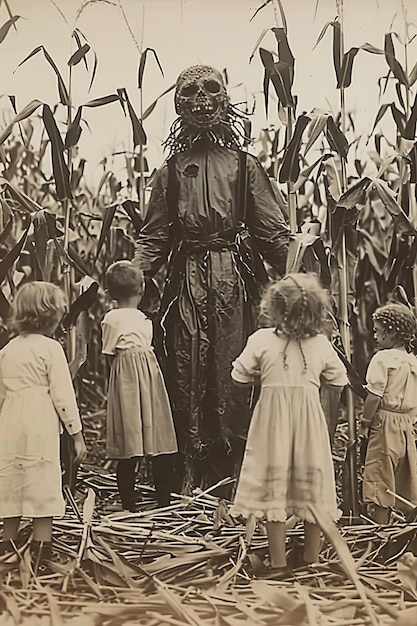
{"x": 387, "y": 197}
{"x": 94, "y": 70}
{"x": 381, "y": 112}
{"x": 400, "y": 96}
{"x": 7, "y": 26}
{"x": 76, "y": 34}
{"x": 337, "y": 50}
{"x": 41, "y": 237}
{"x": 412, "y": 77}
{"x": 305, "y": 174}
{"x": 317, "y": 125}
{"x": 333, "y": 179}
{"x": 394, "y": 65}
{"x": 332, "y": 534}
{"x": 345, "y": 77}
{"x": 336, "y": 138}
{"x": 151, "y": 107}
{"x": 62, "y": 90}
{"x": 24, "y": 113}
{"x": 6, "y": 231}
{"x": 399, "y": 118}
{"x": 347, "y": 64}
{"x": 299, "y": 242}
{"x": 122, "y": 569}
{"x": 279, "y": 74}
{"x": 54, "y": 613}
{"x": 354, "y": 195}
{"x": 59, "y": 165}
{"x": 259, "y": 41}
{"x": 9, "y": 11}
{"x": 12, "y": 607}
{"x": 82, "y": 303}
{"x": 410, "y": 127}
{"x": 290, "y": 168}
{"x": 7, "y": 263}
{"x": 322, "y": 33}
{"x": 283, "y": 18}
{"x": 284, "y": 51}
{"x": 132, "y": 209}
{"x": 74, "y": 131}
{"x": 368, "y": 47}
{"x": 260, "y": 9}
{"x": 142, "y": 63}
{"x": 105, "y": 227}
{"x": 78, "y": 55}
{"x": 99, "y": 102}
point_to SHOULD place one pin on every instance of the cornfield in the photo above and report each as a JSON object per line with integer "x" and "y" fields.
{"x": 351, "y": 205}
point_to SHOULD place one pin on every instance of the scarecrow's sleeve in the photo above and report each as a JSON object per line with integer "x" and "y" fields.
{"x": 265, "y": 219}
{"x": 153, "y": 243}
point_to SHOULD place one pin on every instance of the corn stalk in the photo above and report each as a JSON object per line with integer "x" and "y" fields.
{"x": 343, "y": 304}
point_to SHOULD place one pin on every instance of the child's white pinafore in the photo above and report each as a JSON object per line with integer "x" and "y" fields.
{"x": 139, "y": 419}
{"x": 36, "y": 393}
{"x": 287, "y": 461}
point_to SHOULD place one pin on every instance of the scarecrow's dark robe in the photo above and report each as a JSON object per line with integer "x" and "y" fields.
{"x": 210, "y": 222}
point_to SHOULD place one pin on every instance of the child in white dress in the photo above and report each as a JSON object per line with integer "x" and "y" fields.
{"x": 37, "y": 398}
{"x": 139, "y": 420}
{"x": 288, "y": 462}
{"x": 389, "y": 412}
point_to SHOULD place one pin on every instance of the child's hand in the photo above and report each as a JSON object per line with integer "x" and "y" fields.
{"x": 80, "y": 450}
{"x": 364, "y": 429}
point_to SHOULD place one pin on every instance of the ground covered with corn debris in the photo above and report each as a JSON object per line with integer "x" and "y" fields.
{"x": 191, "y": 564}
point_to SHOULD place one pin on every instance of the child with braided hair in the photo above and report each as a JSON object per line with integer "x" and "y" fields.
{"x": 389, "y": 411}
{"x": 288, "y": 462}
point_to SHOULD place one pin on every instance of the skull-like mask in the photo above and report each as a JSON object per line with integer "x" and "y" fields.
{"x": 200, "y": 97}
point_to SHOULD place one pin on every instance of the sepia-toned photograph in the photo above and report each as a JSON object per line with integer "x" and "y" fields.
{"x": 208, "y": 313}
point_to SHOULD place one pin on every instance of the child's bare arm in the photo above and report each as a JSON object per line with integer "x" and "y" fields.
{"x": 370, "y": 407}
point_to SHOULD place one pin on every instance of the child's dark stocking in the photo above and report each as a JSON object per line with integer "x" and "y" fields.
{"x": 381, "y": 515}
{"x": 312, "y": 540}
{"x": 126, "y": 476}
{"x": 276, "y": 532}
{"x": 162, "y": 472}
{"x": 11, "y": 528}
{"x": 10, "y": 533}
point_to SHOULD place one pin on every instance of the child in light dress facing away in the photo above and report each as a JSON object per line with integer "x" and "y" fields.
{"x": 287, "y": 462}
{"x": 139, "y": 420}
{"x": 37, "y": 399}
{"x": 389, "y": 412}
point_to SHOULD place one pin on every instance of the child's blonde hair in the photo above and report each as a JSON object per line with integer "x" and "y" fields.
{"x": 124, "y": 280}
{"x": 37, "y": 307}
{"x": 398, "y": 320}
{"x": 297, "y": 305}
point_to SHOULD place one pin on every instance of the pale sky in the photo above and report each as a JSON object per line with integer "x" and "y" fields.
{"x": 183, "y": 33}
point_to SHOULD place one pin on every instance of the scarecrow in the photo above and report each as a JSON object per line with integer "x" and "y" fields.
{"x": 213, "y": 219}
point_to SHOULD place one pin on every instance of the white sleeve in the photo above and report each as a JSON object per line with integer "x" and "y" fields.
{"x": 62, "y": 390}
{"x": 246, "y": 366}
{"x": 377, "y": 375}
{"x": 334, "y": 372}
{"x": 110, "y": 336}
